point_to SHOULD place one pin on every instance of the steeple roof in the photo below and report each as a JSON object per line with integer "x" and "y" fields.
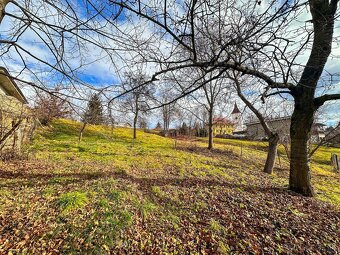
{"x": 236, "y": 110}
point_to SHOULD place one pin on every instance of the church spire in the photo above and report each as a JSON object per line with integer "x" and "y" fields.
{"x": 236, "y": 110}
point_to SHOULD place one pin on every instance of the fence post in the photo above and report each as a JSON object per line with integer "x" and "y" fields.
{"x": 278, "y": 155}
{"x": 335, "y": 162}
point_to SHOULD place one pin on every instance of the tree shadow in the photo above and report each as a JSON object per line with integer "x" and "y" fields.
{"x": 42, "y": 179}
{"x": 145, "y": 184}
{"x": 208, "y": 153}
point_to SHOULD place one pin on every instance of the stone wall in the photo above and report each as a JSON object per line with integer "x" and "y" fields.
{"x": 16, "y": 124}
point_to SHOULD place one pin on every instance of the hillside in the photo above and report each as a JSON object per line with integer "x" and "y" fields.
{"x": 111, "y": 194}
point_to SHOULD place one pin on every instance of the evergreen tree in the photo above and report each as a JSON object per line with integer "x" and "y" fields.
{"x": 94, "y": 111}
{"x": 158, "y": 126}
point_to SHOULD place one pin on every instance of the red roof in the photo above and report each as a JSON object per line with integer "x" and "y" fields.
{"x": 221, "y": 121}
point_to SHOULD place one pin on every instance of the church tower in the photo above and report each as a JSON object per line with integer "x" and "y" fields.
{"x": 237, "y": 119}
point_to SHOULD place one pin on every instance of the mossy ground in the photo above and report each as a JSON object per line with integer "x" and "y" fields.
{"x": 155, "y": 195}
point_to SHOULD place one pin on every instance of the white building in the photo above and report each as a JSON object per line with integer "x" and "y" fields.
{"x": 237, "y": 120}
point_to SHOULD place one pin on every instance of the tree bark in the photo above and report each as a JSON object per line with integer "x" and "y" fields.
{"x": 323, "y": 13}
{"x": 135, "y": 126}
{"x": 271, "y": 155}
{"x": 10, "y": 132}
{"x": 301, "y": 124}
{"x": 3, "y": 4}
{"x": 166, "y": 119}
{"x": 273, "y": 137}
{"x": 81, "y": 132}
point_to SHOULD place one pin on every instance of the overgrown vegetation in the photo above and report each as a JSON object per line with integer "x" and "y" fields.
{"x": 114, "y": 194}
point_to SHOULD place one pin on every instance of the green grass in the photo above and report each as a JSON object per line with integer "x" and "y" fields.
{"x": 152, "y": 154}
{"x": 110, "y": 190}
{"x": 72, "y": 200}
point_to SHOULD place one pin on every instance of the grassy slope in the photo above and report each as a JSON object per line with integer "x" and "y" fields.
{"x": 114, "y": 194}
{"x": 325, "y": 181}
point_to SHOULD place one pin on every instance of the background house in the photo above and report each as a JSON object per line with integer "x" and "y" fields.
{"x": 318, "y": 132}
{"x": 16, "y": 120}
{"x": 333, "y": 136}
{"x": 281, "y": 125}
{"x": 222, "y": 126}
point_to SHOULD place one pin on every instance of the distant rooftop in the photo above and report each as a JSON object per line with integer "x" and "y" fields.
{"x": 221, "y": 121}
{"x": 235, "y": 110}
{"x": 255, "y": 122}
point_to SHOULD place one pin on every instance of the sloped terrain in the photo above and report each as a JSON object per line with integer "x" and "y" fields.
{"x": 113, "y": 195}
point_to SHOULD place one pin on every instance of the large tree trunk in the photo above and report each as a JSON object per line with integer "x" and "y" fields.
{"x": 3, "y": 4}
{"x": 301, "y": 124}
{"x": 271, "y": 155}
{"x": 323, "y": 12}
{"x": 210, "y": 130}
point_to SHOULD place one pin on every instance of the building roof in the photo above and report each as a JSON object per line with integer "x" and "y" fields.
{"x": 257, "y": 122}
{"x": 221, "y": 121}
{"x": 235, "y": 110}
{"x": 319, "y": 124}
{"x": 10, "y": 87}
{"x": 315, "y": 126}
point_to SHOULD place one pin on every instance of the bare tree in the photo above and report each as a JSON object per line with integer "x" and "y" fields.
{"x": 137, "y": 101}
{"x": 261, "y": 30}
{"x": 49, "y": 107}
{"x": 53, "y": 38}
{"x": 165, "y": 94}
{"x": 273, "y": 136}
{"x": 213, "y": 91}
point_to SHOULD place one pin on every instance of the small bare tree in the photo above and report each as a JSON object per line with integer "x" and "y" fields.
{"x": 168, "y": 111}
{"x": 49, "y": 106}
{"x": 273, "y": 136}
{"x": 136, "y": 102}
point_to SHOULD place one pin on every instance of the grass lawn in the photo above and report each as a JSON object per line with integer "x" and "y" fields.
{"x": 111, "y": 194}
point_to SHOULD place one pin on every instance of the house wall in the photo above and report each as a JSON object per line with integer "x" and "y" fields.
{"x": 255, "y": 131}
{"x": 221, "y": 129}
{"x": 11, "y": 112}
{"x": 2, "y": 91}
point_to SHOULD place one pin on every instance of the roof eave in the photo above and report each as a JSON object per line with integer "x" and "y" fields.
{"x": 17, "y": 92}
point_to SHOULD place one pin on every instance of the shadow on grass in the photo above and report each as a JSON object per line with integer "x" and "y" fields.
{"x": 41, "y": 179}
{"x": 145, "y": 184}
{"x": 209, "y": 153}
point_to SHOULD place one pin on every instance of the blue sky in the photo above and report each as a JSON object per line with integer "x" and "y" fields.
{"x": 102, "y": 69}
